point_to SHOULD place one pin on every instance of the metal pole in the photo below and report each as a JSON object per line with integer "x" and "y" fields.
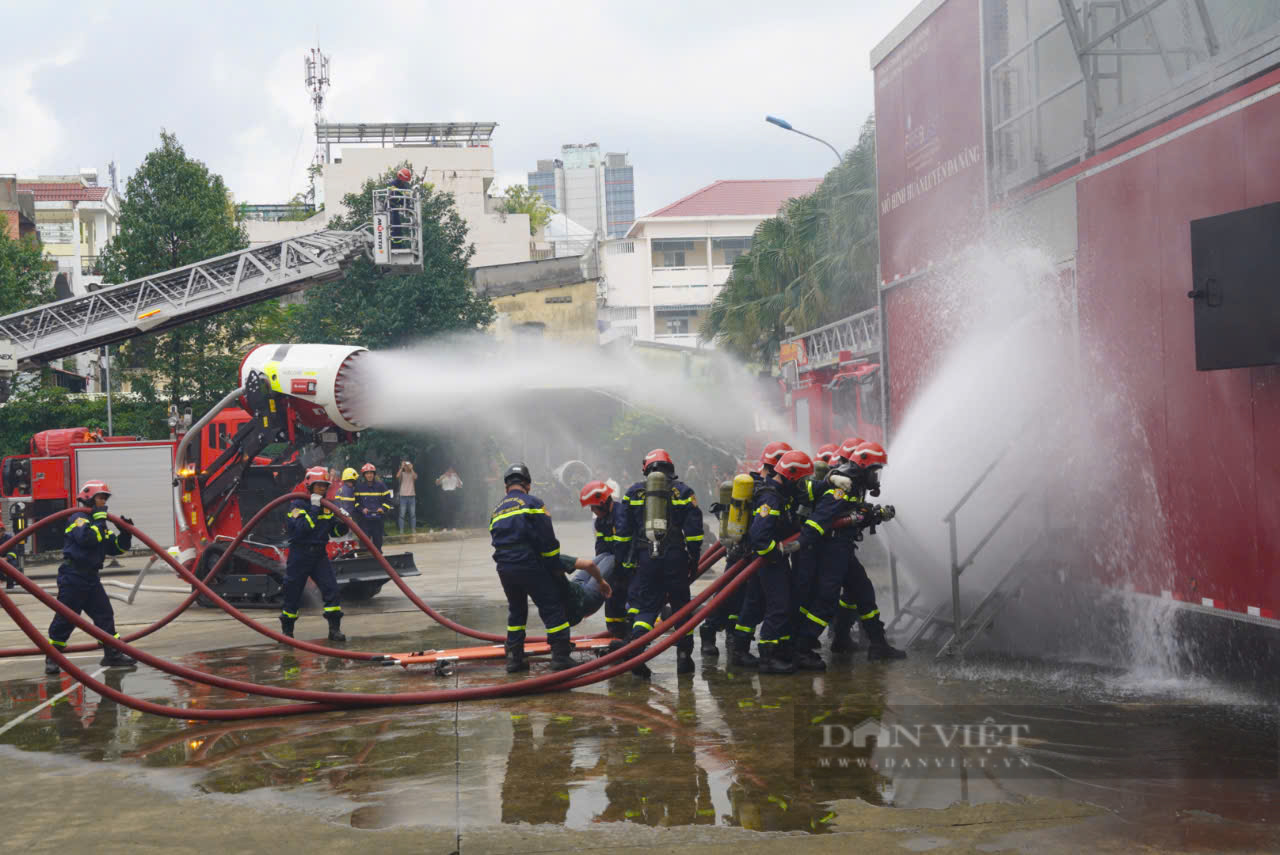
{"x": 106, "y": 366}
{"x": 839, "y": 159}
{"x": 955, "y": 579}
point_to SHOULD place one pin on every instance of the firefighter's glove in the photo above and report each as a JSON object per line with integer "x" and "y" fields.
{"x": 126, "y": 520}
{"x": 717, "y": 509}
{"x": 788, "y": 548}
{"x": 884, "y": 513}
{"x": 315, "y": 500}
{"x": 841, "y": 482}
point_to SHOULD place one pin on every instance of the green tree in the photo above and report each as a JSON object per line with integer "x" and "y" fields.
{"x": 24, "y": 274}
{"x": 176, "y": 212}
{"x": 519, "y": 199}
{"x": 35, "y": 408}
{"x": 383, "y": 310}
{"x": 812, "y": 264}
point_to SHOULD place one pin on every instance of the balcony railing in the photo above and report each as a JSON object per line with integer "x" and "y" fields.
{"x": 90, "y": 265}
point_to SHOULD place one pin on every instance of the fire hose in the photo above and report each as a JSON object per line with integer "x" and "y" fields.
{"x": 200, "y": 587}
{"x": 618, "y": 661}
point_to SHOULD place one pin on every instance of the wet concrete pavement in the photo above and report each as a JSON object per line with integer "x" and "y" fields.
{"x": 719, "y": 761}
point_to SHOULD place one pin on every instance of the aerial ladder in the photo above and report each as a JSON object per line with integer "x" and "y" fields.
{"x": 165, "y": 300}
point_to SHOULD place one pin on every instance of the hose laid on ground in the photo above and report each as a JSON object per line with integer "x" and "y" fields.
{"x": 706, "y": 561}
{"x": 685, "y": 617}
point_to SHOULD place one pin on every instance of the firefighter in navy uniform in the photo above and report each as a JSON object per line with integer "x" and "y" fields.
{"x": 528, "y": 558}
{"x": 662, "y": 568}
{"x": 597, "y": 496}
{"x": 858, "y": 596}
{"x": 373, "y": 501}
{"x": 87, "y": 543}
{"x": 309, "y": 526}
{"x": 727, "y": 616}
{"x": 841, "y": 629}
{"x": 345, "y": 498}
{"x": 768, "y": 601}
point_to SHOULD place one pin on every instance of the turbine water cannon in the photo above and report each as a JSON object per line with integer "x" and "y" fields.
{"x": 322, "y": 378}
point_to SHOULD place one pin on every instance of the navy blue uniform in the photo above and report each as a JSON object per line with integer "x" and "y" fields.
{"x": 768, "y": 592}
{"x": 527, "y": 554}
{"x": 345, "y": 498}
{"x": 831, "y": 550}
{"x": 804, "y": 563}
{"x": 857, "y": 593}
{"x": 309, "y": 529}
{"x": 373, "y": 501}
{"x": 609, "y": 543}
{"x": 665, "y": 578}
{"x": 88, "y": 542}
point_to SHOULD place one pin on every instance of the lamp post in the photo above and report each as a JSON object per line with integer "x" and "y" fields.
{"x": 786, "y": 126}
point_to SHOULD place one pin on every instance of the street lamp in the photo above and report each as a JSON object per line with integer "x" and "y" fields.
{"x": 786, "y": 126}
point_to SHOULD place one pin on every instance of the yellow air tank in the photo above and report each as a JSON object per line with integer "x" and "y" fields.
{"x": 657, "y": 508}
{"x": 740, "y": 508}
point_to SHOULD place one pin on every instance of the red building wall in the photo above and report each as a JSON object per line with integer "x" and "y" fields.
{"x": 1214, "y": 437}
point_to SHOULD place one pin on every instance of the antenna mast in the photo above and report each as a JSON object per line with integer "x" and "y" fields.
{"x": 316, "y": 68}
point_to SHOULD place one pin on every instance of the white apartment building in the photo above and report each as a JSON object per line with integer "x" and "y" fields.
{"x": 455, "y": 158}
{"x": 661, "y": 278}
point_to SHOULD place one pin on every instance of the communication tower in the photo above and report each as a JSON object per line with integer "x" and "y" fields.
{"x": 316, "y": 74}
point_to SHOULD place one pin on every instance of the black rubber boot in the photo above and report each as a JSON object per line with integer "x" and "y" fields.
{"x": 707, "y": 638}
{"x": 740, "y": 655}
{"x": 335, "y": 626}
{"x": 50, "y": 667}
{"x": 841, "y": 635}
{"x": 684, "y": 662}
{"x": 515, "y": 657}
{"x": 286, "y": 625}
{"x": 113, "y": 658}
{"x": 560, "y": 649}
{"x": 771, "y": 662}
{"x": 807, "y": 659}
{"x": 642, "y": 670}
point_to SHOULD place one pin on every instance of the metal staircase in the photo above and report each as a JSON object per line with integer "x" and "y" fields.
{"x": 165, "y": 300}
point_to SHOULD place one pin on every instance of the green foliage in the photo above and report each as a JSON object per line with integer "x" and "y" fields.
{"x": 31, "y": 410}
{"x": 813, "y": 264}
{"x": 519, "y": 199}
{"x": 176, "y": 212}
{"x": 383, "y": 310}
{"x": 24, "y": 274}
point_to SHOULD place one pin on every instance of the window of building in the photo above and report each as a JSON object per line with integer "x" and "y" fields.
{"x": 730, "y": 249}
{"x": 672, "y": 253}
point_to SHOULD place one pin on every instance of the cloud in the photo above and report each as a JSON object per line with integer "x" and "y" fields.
{"x": 30, "y": 132}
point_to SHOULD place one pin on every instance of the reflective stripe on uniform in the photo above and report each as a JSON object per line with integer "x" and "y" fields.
{"x": 682, "y": 501}
{"x": 333, "y": 608}
{"x": 740, "y": 628}
{"x": 768, "y": 548}
{"x": 693, "y": 537}
{"x": 615, "y": 620}
{"x": 643, "y": 624}
{"x": 811, "y": 616}
{"x": 849, "y": 606}
{"x": 57, "y": 643}
{"x": 767, "y": 641}
{"x": 820, "y": 529}
{"x": 515, "y": 629}
{"x": 292, "y": 615}
{"x": 869, "y": 615}
{"x": 552, "y": 554}
{"x": 554, "y": 629}
{"x": 76, "y": 524}
{"x": 505, "y": 514}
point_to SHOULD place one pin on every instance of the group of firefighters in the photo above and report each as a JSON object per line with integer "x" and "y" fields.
{"x": 804, "y": 524}
{"x": 801, "y": 517}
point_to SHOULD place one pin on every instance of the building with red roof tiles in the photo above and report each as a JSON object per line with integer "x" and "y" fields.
{"x": 663, "y": 276}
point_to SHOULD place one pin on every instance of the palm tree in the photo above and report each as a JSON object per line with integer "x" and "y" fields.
{"x": 813, "y": 263}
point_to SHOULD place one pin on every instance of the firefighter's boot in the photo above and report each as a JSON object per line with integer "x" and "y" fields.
{"x": 771, "y": 661}
{"x": 740, "y": 655}
{"x": 707, "y": 638}
{"x": 113, "y": 658}
{"x": 50, "y": 667}
{"x": 560, "y": 649}
{"x": 286, "y": 625}
{"x": 335, "y": 626}
{"x": 807, "y": 657}
{"x": 515, "y": 657}
{"x": 684, "y": 655}
{"x": 642, "y": 670}
{"x": 841, "y": 633}
{"x": 880, "y": 650}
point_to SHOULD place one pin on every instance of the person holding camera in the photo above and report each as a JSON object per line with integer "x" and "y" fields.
{"x": 407, "y": 496}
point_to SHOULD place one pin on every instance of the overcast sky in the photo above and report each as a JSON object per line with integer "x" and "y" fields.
{"x": 682, "y": 86}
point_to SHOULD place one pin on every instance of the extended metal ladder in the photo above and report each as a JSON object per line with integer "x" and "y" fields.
{"x": 859, "y": 335}
{"x": 155, "y": 303}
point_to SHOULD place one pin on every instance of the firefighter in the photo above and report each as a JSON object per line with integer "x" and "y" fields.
{"x": 771, "y": 455}
{"x": 88, "y": 541}
{"x": 346, "y": 495}
{"x": 373, "y": 501}
{"x": 768, "y": 591}
{"x": 858, "y": 595}
{"x": 842, "y": 640}
{"x": 662, "y": 568}
{"x": 309, "y": 527}
{"x": 597, "y": 496}
{"x": 403, "y": 180}
{"x": 528, "y": 558}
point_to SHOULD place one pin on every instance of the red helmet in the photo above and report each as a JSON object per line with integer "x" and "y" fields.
{"x": 794, "y": 465}
{"x": 828, "y": 453}
{"x": 595, "y": 493}
{"x": 658, "y": 458}
{"x": 368, "y": 467}
{"x": 773, "y": 453}
{"x": 869, "y": 454}
{"x": 405, "y": 174}
{"x": 315, "y": 475}
{"x": 849, "y": 446}
{"x": 91, "y": 489}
